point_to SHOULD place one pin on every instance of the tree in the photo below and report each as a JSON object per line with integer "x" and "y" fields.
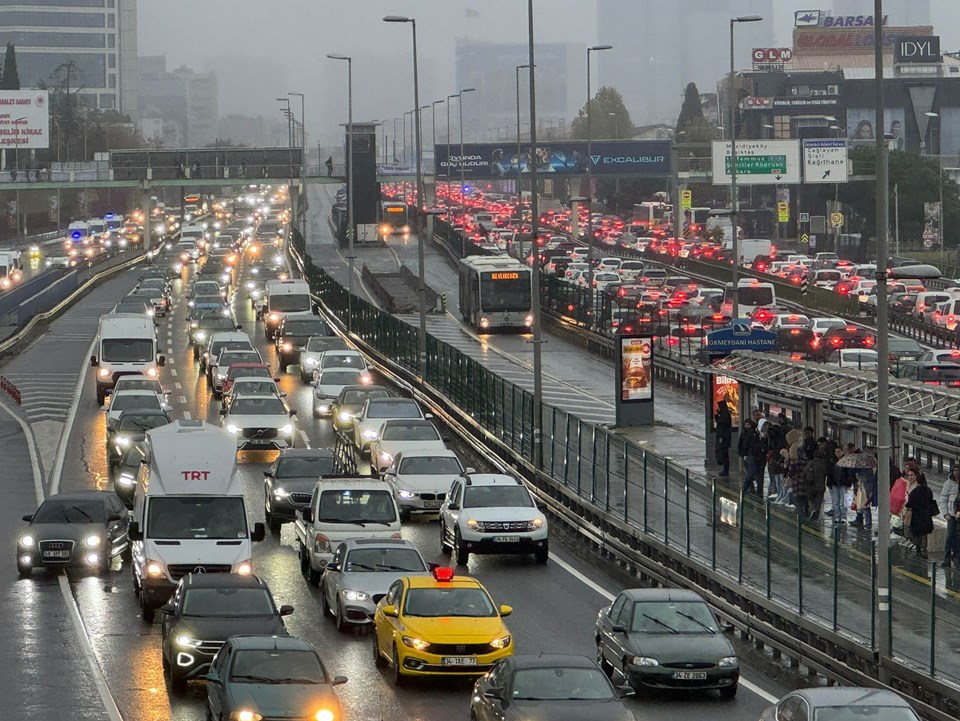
{"x": 917, "y": 179}
{"x": 691, "y": 112}
{"x": 609, "y": 117}
{"x": 10, "y": 80}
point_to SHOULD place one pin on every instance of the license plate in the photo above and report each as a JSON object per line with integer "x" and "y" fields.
{"x": 432, "y": 504}
{"x": 690, "y": 675}
{"x": 56, "y": 554}
{"x": 506, "y": 539}
{"x": 459, "y": 661}
{"x": 259, "y": 442}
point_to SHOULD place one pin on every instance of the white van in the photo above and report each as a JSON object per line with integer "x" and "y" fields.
{"x": 751, "y": 294}
{"x": 343, "y": 508}
{"x": 282, "y": 298}
{"x": 98, "y": 228}
{"x": 126, "y": 345}
{"x": 188, "y": 511}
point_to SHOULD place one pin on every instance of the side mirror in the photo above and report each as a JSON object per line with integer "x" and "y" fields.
{"x": 213, "y": 677}
{"x": 28, "y": 518}
{"x": 93, "y": 361}
{"x": 293, "y": 412}
{"x": 168, "y": 609}
{"x": 332, "y": 567}
{"x": 314, "y": 383}
{"x": 453, "y": 507}
{"x": 133, "y": 532}
{"x": 299, "y": 348}
{"x": 259, "y": 532}
{"x": 339, "y": 680}
{"x": 390, "y": 611}
{"x": 161, "y": 361}
{"x": 268, "y": 474}
{"x": 239, "y": 327}
{"x": 506, "y": 610}
{"x": 470, "y": 470}
{"x": 276, "y": 380}
{"x": 307, "y": 515}
{"x": 617, "y": 628}
{"x": 428, "y": 415}
{"x": 286, "y": 610}
{"x": 625, "y": 691}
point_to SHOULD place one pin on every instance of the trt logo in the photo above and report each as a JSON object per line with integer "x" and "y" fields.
{"x": 195, "y": 475}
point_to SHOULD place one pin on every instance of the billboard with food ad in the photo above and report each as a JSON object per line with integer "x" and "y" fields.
{"x": 636, "y": 364}
{"x": 728, "y": 390}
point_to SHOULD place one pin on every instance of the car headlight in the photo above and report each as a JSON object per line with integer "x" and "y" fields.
{"x": 287, "y": 429}
{"x": 418, "y": 643}
{"x": 92, "y": 541}
{"x": 250, "y": 285}
{"x": 245, "y": 715}
{"x": 356, "y": 595}
{"x": 645, "y": 661}
{"x": 221, "y": 376}
{"x": 274, "y": 317}
{"x": 323, "y": 408}
{"x": 281, "y": 492}
{"x": 27, "y": 541}
{"x": 154, "y": 569}
{"x": 188, "y": 642}
{"x": 407, "y": 495}
{"x": 233, "y": 428}
{"x": 123, "y": 441}
{"x": 344, "y": 416}
{"x": 501, "y": 642}
{"x": 287, "y": 345}
{"x": 310, "y": 361}
{"x": 536, "y": 524}
{"x": 474, "y": 525}
{"x": 245, "y": 568}
{"x": 728, "y": 662}
{"x": 370, "y": 434}
{"x": 103, "y": 372}
{"x": 324, "y": 715}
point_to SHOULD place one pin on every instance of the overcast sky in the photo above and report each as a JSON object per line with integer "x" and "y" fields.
{"x": 261, "y": 50}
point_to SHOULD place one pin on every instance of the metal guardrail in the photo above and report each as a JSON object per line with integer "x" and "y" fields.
{"x": 668, "y": 522}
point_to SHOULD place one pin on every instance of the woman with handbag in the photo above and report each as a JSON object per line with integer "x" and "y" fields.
{"x": 921, "y": 508}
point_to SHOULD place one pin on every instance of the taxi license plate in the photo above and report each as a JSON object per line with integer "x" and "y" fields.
{"x": 432, "y": 504}
{"x": 690, "y": 675}
{"x": 56, "y": 554}
{"x": 458, "y": 661}
{"x": 506, "y": 539}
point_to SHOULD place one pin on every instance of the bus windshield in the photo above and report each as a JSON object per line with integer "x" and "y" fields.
{"x": 511, "y": 293}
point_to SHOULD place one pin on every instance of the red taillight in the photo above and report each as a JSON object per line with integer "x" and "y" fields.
{"x": 795, "y": 331}
{"x": 951, "y": 319}
{"x": 815, "y": 343}
{"x": 796, "y": 279}
{"x": 868, "y": 341}
{"x": 835, "y": 341}
{"x": 672, "y": 341}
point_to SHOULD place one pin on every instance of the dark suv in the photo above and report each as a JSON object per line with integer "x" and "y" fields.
{"x": 292, "y": 333}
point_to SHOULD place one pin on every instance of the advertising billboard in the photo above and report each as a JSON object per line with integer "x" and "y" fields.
{"x": 636, "y": 369}
{"x": 728, "y": 390}
{"x": 24, "y": 119}
{"x": 860, "y": 128}
{"x": 500, "y": 160}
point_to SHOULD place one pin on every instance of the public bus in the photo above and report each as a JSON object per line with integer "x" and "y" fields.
{"x": 649, "y": 214}
{"x": 495, "y": 293}
{"x": 393, "y": 218}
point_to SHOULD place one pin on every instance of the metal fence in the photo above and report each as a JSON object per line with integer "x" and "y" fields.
{"x": 826, "y": 577}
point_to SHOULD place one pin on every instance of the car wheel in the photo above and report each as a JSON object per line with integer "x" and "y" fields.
{"x": 396, "y": 673}
{"x": 272, "y": 522}
{"x": 304, "y": 561}
{"x": 541, "y": 554}
{"x": 463, "y": 555}
{"x": 101, "y": 397}
{"x": 305, "y": 378}
{"x": 24, "y": 571}
{"x": 178, "y": 684}
{"x": 316, "y": 413}
{"x": 602, "y": 662}
{"x": 728, "y": 692}
{"x": 444, "y": 546}
{"x": 146, "y": 612}
{"x": 342, "y": 625}
{"x": 313, "y": 577}
{"x": 164, "y": 662}
{"x": 378, "y": 660}
{"x": 209, "y": 713}
{"x": 404, "y": 514}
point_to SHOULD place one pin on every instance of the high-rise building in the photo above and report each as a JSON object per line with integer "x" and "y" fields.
{"x": 88, "y": 44}
{"x": 184, "y": 99}
{"x": 661, "y": 45}
{"x": 900, "y": 13}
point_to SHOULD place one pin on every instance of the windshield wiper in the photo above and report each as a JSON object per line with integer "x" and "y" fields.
{"x": 80, "y": 510}
{"x": 399, "y": 568}
{"x": 300, "y": 681}
{"x": 362, "y": 566}
{"x": 257, "y": 679}
{"x": 696, "y": 621}
{"x": 657, "y": 621}
{"x": 340, "y": 520}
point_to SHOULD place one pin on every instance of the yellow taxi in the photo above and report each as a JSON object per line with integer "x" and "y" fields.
{"x": 439, "y": 625}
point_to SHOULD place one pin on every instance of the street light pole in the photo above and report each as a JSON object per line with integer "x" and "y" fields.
{"x": 303, "y": 146}
{"x": 434, "y": 128}
{"x": 535, "y": 268}
{"x": 734, "y": 198}
{"x": 463, "y": 197}
{"x": 590, "y": 249}
{"x": 449, "y": 144}
{"x": 884, "y": 436}
{"x": 520, "y": 255}
{"x": 351, "y": 229}
{"x": 421, "y": 284}
{"x": 289, "y": 115}
{"x": 936, "y": 116}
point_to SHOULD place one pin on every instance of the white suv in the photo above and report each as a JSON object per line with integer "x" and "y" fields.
{"x": 491, "y": 513}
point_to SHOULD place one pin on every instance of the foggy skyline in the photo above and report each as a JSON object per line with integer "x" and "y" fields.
{"x": 262, "y": 51}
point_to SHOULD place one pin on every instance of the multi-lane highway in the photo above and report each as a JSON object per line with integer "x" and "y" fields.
{"x": 555, "y": 605}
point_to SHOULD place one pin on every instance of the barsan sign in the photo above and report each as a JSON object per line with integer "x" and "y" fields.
{"x": 925, "y": 49}
{"x": 24, "y": 119}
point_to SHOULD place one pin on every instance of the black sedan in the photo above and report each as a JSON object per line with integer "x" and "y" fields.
{"x": 129, "y": 428}
{"x": 205, "y": 610}
{"x": 288, "y": 484}
{"x": 292, "y": 333}
{"x": 665, "y": 638}
{"x": 83, "y": 529}
{"x": 552, "y": 687}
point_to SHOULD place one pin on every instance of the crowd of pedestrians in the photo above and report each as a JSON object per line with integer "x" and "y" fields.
{"x": 824, "y": 480}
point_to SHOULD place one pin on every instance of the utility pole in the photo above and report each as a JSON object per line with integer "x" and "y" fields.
{"x": 535, "y": 269}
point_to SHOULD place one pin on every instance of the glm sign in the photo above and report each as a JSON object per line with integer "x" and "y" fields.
{"x": 923, "y": 49}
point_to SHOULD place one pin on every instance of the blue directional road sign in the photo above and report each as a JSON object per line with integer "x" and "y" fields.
{"x": 740, "y": 335}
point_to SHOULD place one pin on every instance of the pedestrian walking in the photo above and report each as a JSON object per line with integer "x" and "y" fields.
{"x": 750, "y": 450}
{"x": 921, "y": 509}
{"x": 329, "y": 164}
{"x": 950, "y": 508}
{"x": 724, "y": 436}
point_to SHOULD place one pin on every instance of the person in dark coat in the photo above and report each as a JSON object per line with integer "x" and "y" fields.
{"x": 724, "y": 435}
{"x": 750, "y": 450}
{"x": 815, "y": 482}
{"x": 922, "y": 508}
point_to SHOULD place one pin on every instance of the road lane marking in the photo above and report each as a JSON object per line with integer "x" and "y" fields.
{"x": 178, "y": 386}
{"x": 305, "y": 437}
{"x": 68, "y": 426}
{"x": 186, "y": 415}
{"x": 173, "y": 371}
{"x": 750, "y": 686}
{"x": 182, "y": 399}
